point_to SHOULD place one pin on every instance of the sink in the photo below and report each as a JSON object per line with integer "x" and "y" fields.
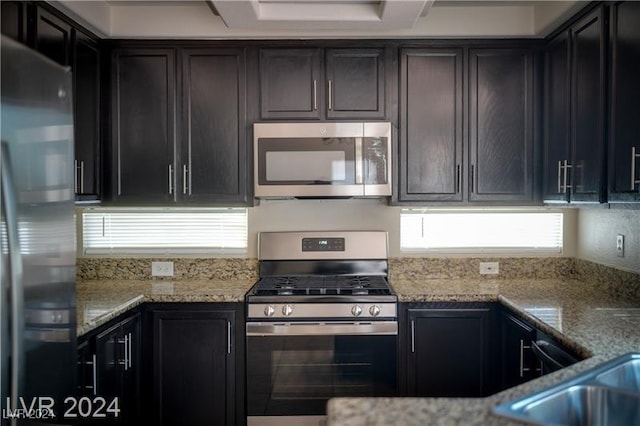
{"x": 624, "y": 376}
{"x": 585, "y": 405}
{"x": 606, "y": 395}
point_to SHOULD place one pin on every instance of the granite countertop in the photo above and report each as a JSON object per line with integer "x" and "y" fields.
{"x": 596, "y": 320}
{"x": 102, "y": 300}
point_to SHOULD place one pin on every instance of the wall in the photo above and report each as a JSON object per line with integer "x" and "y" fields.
{"x": 597, "y": 230}
{"x": 353, "y": 214}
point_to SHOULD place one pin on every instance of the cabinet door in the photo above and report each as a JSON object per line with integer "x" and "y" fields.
{"x": 291, "y": 83}
{"x": 518, "y": 361}
{"x": 556, "y": 120}
{"x": 193, "y": 367}
{"x": 86, "y": 91}
{"x": 109, "y": 358}
{"x": 587, "y": 105}
{"x": 52, "y": 37}
{"x": 214, "y": 147}
{"x": 431, "y": 125}
{"x": 625, "y": 102}
{"x": 501, "y": 133}
{"x": 143, "y": 116}
{"x": 14, "y": 20}
{"x": 355, "y": 83}
{"x": 448, "y": 353}
{"x": 130, "y": 400}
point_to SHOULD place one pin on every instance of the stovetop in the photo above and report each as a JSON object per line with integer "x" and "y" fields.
{"x": 359, "y": 285}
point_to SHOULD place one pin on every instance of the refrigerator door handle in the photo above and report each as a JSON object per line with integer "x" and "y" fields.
{"x": 9, "y": 205}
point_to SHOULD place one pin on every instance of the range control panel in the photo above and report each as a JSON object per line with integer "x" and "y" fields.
{"x": 323, "y": 244}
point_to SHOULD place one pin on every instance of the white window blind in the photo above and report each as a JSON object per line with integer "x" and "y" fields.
{"x": 165, "y": 232}
{"x": 480, "y": 231}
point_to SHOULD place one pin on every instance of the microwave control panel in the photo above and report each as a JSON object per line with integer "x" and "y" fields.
{"x": 323, "y": 244}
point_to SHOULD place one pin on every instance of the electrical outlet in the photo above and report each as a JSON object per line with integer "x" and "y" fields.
{"x": 489, "y": 268}
{"x": 620, "y": 245}
{"x": 161, "y": 269}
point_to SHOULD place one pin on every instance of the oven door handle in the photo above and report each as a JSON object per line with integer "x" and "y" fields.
{"x": 377, "y": 328}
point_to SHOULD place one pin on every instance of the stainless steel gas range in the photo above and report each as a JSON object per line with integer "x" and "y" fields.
{"x": 321, "y": 323}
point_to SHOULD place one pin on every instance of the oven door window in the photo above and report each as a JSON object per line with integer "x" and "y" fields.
{"x": 296, "y": 375}
{"x": 306, "y": 161}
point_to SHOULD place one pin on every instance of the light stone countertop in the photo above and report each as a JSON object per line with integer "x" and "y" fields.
{"x": 102, "y": 300}
{"x": 596, "y": 320}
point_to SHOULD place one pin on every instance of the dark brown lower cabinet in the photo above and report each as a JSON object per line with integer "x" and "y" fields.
{"x": 194, "y": 364}
{"x": 448, "y": 350}
{"x": 518, "y": 364}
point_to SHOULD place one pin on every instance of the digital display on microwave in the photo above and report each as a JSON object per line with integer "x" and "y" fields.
{"x": 311, "y": 166}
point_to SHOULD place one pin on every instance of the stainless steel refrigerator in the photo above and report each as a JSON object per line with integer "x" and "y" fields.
{"x": 37, "y": 262}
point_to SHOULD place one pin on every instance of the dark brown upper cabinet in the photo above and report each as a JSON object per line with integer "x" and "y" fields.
{"x": 14, "y": 20}
{"x": 501, "y": 125}
{"x": 291, "y": 83}
{"x": 87, "y": 116}
{"x": 447, "y": 157}
{"x": 431, "y": 133}
{"x": 314, "y": 83}
{"x": 51, "y": 36}
{"x": 143, "y": 127}
{"x": 624, "y": 137}
{"x": 179, "y": 134}
{"x": 557, "y": 134}
{"x": 213, "y": 147}
{"x": 574, "y": 114}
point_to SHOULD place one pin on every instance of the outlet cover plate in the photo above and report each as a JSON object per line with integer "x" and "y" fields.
{"x": 620, "y": 245}
{"x": 489, "y": 268}
{"x": 161, "y": 269}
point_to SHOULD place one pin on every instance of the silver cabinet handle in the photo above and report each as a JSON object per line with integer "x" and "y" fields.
{"x": 170, "y": 179}
{"x": 95, "y": 375}
{"x": 413, "y": 336}
{"x": 559, "y": 176}
{"x": 75, "y": 176}
{"x": 130, "y": 351}
{"x": 228, "y": 337}
{"x": 458, "y": 179}
{"x": 184, "y": 178}
{"x": 82, "y": 177}
{"x": 566, "y": 166}
{"x": 522, "y": 367}
{"x": 330, "y": 99}
{"x": 315, "y": 95}
{"x": 125, "y": 361}
{"x": 634, "y": 157}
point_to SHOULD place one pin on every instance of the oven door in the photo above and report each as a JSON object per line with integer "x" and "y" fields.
{"x": 294, "y": 368}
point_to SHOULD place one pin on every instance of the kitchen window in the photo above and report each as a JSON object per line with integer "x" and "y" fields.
{"x": 164, "y": 231}
{"x": 480, "y": 231}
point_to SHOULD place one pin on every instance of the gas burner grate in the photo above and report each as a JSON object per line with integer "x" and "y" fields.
{"x": 323, "y": 285}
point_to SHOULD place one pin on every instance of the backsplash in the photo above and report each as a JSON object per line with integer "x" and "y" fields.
{"x": 415, "y": 268}
{"x": 184, "y": 268}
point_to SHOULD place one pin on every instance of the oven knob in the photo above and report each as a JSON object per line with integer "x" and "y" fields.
{"x": 356, "y": 310}
{"x": 269, "y": 311}
{"x": 374, "y": 310}
{"x": 287, "y": 310}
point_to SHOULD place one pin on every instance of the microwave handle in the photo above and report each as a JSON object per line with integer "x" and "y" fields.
{"x": 359, "y": 160}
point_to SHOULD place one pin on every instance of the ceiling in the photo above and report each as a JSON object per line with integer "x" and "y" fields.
{"x": 237, "y": 19}
{"x": 320, "y": 14}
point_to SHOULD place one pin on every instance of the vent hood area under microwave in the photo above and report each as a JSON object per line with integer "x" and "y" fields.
{"x": 322, "y": 160}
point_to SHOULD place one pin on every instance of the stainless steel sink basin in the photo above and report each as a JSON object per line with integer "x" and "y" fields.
{"x": 607, "y": 395}
{"x": 625, "y": 376}
{"x": 586, "y": 405}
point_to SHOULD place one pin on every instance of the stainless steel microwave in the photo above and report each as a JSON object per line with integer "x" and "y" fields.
{"x": 322, "y": 159}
